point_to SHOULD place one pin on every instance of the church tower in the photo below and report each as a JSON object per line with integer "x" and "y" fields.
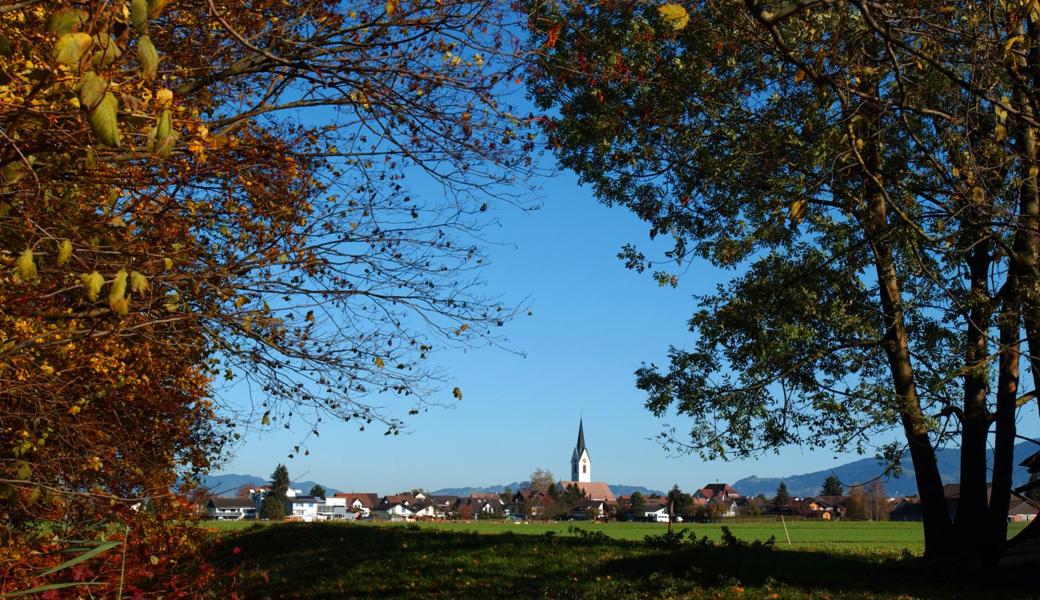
{"x": 581, "y": 464}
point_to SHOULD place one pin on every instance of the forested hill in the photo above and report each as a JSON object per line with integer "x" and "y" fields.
{"x": 808, "y": 484}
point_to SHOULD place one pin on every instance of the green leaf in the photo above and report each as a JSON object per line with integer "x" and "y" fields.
{"x": 89, "y": 554}
{"x": 139, "y": 15}
{"x": 148, "y": 57}
{"x": 70, "y": 48}
{"x": 66, "y": 20}
{"x": 109, "y": 51}
{"x": 92, "y": 88}
{"x": 103, "y": 121}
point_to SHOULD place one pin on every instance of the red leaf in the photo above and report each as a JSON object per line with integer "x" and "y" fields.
{"x": 552, "y": 34}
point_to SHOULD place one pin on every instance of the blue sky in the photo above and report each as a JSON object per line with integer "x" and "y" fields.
{"x": 593, "y": 323}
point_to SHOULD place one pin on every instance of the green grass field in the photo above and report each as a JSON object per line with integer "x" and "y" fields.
{"x": 486, "y": 560}
{"x": 854, "y": 536}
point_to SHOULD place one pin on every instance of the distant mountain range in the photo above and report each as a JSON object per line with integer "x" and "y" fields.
{"x": 862, "y": 470}
{"x": 228, "y": 484}
{"x": 806, "y": 484}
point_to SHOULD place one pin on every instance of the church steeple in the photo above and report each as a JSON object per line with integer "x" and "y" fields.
{"x": 581, "y": 464}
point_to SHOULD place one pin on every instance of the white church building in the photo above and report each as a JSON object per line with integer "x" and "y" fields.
{"x": 581, "y": 471}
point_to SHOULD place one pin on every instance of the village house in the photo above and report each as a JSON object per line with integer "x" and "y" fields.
{"x": 529, "y": 503}
{"x": 394, "y": 509}
{"x": 303, "y": 508}
{"x": 590, "y": 510}
{"x": 655, "y": 508}
{"x": 480, "y": 505}
{"x": 826, "y": 508}
{"x": 716, "y": 491}
{"x": 720, "y": 508}
{"x": 428, "y": 511}
{"x": 230, "y": 509}
{"x": 361, "y": 504}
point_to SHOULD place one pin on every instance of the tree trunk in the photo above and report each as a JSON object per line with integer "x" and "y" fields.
{"x": 937, "y": 527}
{"x": 1020, "y": 291}
{"x": 1025, "y": 147}
{"x": 970, "y": 522}
{"x": 1004, "y": 446}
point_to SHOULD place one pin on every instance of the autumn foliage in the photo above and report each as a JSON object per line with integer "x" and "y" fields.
{"x": 201, "y": 191}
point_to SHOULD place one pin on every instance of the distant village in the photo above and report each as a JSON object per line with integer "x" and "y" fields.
{"x": 581, "y": 499}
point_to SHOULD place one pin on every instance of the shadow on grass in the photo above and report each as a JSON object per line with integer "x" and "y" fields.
{"x": 331, "y": 560}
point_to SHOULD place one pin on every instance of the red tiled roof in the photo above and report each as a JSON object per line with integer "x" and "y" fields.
{"x": 595, "y": 490}
{"x": 368, "y": 500}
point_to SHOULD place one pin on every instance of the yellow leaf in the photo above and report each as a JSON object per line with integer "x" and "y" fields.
{"x": 49, "y": 370}
{"x": 379, "y": 362}
{"x": 117, "y": 299}
{"x": 168, "y": 264}
{"x": 674, "y": 15}
{"x": 457, "y": 392}
{"x": 173, "y": 303}
{"x": 1033, "y": 170}
{"x": 64, "y": 252}
{"x": 92, "y": 284}
{"x": 797, "y": 210}
{"x": 138, "y": 283}
{"x": 25, "y": 266}
{"x": 164, "y": 97}
{"x": 155, "y": 7}
{"x": 391, "y": 6}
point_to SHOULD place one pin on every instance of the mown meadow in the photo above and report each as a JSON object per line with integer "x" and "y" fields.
{"x": 617, "y": 560}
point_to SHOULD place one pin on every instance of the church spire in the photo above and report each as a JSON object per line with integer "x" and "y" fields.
{"x": 581, "y": 463}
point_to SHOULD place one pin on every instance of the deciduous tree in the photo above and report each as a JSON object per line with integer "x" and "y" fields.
{"x": 199, "y": 192}
{"x": 870, "y": 173}
{"x": 542, "y": 480}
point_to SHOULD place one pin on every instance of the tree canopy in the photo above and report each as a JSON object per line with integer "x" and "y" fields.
{"x": 782, "y": 497}
{"x": 201, "y": 199}
{"x": 832, "y": 486}
{"x": 868, "y": 174}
